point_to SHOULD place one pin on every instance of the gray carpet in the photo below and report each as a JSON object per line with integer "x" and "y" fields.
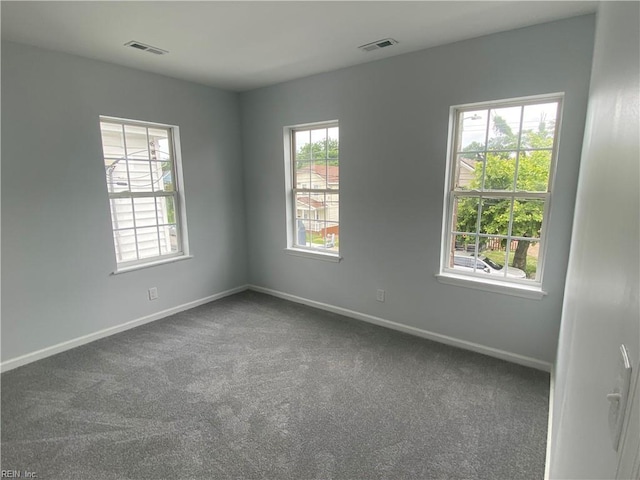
{"x": 253, "y": 387}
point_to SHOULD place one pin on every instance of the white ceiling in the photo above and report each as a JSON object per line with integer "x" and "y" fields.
{"x": 243, "y": 45}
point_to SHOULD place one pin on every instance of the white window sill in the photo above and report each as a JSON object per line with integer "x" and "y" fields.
{"x": 495, "y": 286}
{"x": 327, "y": 257}
{"x": 133, "y": 268}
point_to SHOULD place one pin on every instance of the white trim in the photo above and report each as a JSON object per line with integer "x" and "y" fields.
{"x": 181, "y": 221}
{"x": 315, "y": 254}
{"x": 436, "y": 337}
{"x": 76, "y": 342}
{"x": 153, "y": 263}
{"x": 178, "y": 193}
{"x": 130, "y": 121}
{"x": 552, "y": 388}
{"x": 510, "y": 102}
{"x": 506, "y": 288}
{"x": 290, "y": 186}
{"x": 455, "y": 113}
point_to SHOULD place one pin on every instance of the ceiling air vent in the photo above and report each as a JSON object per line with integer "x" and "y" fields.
{"x": 378, "y": 44}
{"x": 145, "y": 48}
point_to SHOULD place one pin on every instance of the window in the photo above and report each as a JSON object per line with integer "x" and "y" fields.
{"x": 499, "y": 182}
{"x": 313, "y": 188}
{"x": 143, "y": 182}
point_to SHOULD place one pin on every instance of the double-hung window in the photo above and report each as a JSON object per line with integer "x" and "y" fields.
{"x": 314, "y": 188}
{"x": 499, "y": 179}
{"x": 143, "y": 182}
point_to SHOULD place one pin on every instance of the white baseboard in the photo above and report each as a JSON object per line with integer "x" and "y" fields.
{"x": 76, "y": 342}
{"x": 456, "y": 342}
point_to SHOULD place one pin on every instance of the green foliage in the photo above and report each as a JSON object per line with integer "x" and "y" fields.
{"x": 499, "y": 174}
{"x": 467, "y": 214}
{"x": 171, "y": 213}
{"x": 317, "y": 239}
{"x": 318, "y": 153}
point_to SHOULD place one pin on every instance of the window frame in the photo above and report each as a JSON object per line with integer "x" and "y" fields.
{"x": 530, "y": 288}
{"x": 175, "y": 159}
{"x": 292, "y": 190}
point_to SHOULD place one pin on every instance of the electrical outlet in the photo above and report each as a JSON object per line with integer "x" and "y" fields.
{"x": 153, "y": 293}
{"x": 380, "y": 295}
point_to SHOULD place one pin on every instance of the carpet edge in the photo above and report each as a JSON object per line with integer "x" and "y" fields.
{"x": 106, "y": 332}
{"x": 436, "y": 337}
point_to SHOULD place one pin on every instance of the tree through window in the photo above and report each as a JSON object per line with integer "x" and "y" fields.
{"x": 500, "y": 179}
{"x": 315, "y": 187}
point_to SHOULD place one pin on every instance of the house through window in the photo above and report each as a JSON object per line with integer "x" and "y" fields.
{"x": 499, "y": 187}
{"x": 144, "y": 194}
{"x": 315, "y": 194}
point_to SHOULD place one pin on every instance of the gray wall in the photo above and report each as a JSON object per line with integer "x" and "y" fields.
{"x": 57, "y": 246}
{"x": 393, "y": 126}
{"x": 601, "y": 309}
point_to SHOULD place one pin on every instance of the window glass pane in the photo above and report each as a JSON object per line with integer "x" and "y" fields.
{"x": 465, "y": 214}
{"x": 316, "y": 168}
{"x": 473, "y": 130}
{"x": 469, "y": 171}
{"x": 505, "y": 128}
{"x": 494, "y": 218}
{"x": 168, "y": 239}
{"x": 463, "y": 244}
{"x": 147, "y": 242}
{"x": 145, "y": 211}
{"x": 319, "y": 144}
{"x": 527, "y": 218}
{"x": 112, "y": 140}
{"x": 332, "y": 236}
{"x": 159, "y": 144}
{"x": 116, "y": 173}
{"x": 304, "y": 173}
{"x": 166, "y": 210}
{"x": 316, "y": 213}
{"x": 524, "y": 258}
{"x": 121, "y": 213}
{"x": 303, "y": 145}
{"x": 303, "y": 164}
{"x": 305, "y": 206}
{"x": 492, "y": 256}
{"x": 140, "y": 176}
{"x": 533, "y": 171}
{"x": 137, "y": 146}
{"x": 516, "y": 159}
{"x": 300, "y": 233}
{"x": 464, "y": 262}
{"x": 500, "y": 170}
{"x": 331, "y": 207}
{"x": 319, "y": 174}
{"x": 333, "y": 176}
{"x": 162, "y": 175}
{"x": 539, "y": 123}
{"x": 333, "y": 143}
{"x": 125, "y": 245}
{"x": 139, "y": 159}
{"x": 314, "y": 237}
